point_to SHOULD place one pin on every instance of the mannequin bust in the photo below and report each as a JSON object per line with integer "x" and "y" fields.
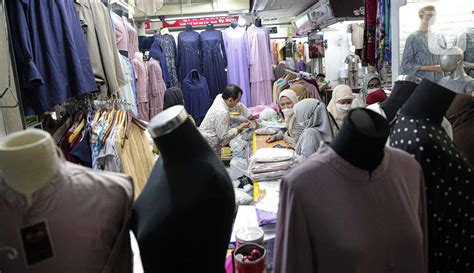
{"x": 164, "y": 31}
{"x": 429, "y": 100}
{"x": 195, "y": 75}
{"x": 28, "y": 160}
{"x": 457, "y": 80}
{"x": 414, "y": 61}
{"x": 258, "y": 22}
{"x": 362, "y": 139}
{"x": 210, "y": 27}
{"x": 402, "y": 90}
{"x": 179, "y": 195}
{"x": 189, "y": 27}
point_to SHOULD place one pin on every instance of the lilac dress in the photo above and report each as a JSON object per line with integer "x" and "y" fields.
{"x": 214, "y": 61}
{"x": 237, "y": 49}
{"x": 156, "y": 87}
{"x": 261, "y": 70}
{"x": 189, "y": 53}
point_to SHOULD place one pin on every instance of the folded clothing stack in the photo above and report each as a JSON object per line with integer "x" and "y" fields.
{"x": 271, "y": 163}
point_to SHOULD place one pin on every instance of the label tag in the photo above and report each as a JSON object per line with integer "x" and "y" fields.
{"x": 36, "y": 242}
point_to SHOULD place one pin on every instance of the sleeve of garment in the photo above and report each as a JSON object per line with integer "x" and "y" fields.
{"x": 288, "y": 139}
{"x": 279, "y": 135}
{"x": 249, "y": 39}
{"x": 423, "y": 214}
{"x": 243, "y": 110}
{"x": 246, "y": 48}
{"x": 178, "y": 57}
{"x": 223, "y": 131}
{"x": 308, "y": 144}
{"x": 408, "y": 66}
{"x": 223, "y": 48}
{"x": 174, "y": 45}
{"x": 292, "y": 244}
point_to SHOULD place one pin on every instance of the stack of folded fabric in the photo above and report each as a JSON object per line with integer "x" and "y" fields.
{"x": 271, "y": 163}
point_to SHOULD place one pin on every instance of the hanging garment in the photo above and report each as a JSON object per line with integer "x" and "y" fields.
{"x": 141, "y": 75}
{"x": 168, "y": 45}
{"x": 261, "y": 72}
{"x": 449, "y": 191}
{"x": 128, "y": 91}
{"x": 149, "y": 6}
{"x": 121, "y": 32}
{"x": 189, "y": 53}
{"x": 145, "y": 43}
{"x": 100, "y": 37}
{"x": 461, "y": 115}
{"x": 196, "y": 96}
{"x": 156, "y": 87}
{"x": 421, "y": 50}
{"x": 73, "y": 203}
{"x": 370, "y": 25}
{"x": 50, "y": 53}
{"x": 357, "y": 35}
{"x": 132, "y": 45}
{"x": 214, "y": 61}
{"x": 237, "y": 51}
{"x": 156, "y": 52}
{"x": 385, "y": 211}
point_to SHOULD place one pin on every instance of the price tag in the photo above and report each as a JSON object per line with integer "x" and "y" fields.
{"x": 36, "y": 242}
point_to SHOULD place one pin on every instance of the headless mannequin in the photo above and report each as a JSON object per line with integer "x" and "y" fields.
{"x": 234, "y": 24}
{"x": 402, "y": 90}
{"x": 258, "y": 22}
{"x": 429, "y": 100}
{"x": 178, "y": 195}
{"x": 362, "y": 139}
{"x": 189, "y": 27}
{"x": 28, "y": 161}
{"x": 210, "y": 27}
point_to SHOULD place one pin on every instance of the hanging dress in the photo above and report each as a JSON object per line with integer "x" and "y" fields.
{"x": 168, "y": 45}
{"x": 196, "y": 96}
{"x": 214, "y": 61}
{"x": 189, "y": 53}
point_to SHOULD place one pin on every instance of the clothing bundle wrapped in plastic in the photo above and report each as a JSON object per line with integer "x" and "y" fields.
{"x": 273, "y": 155}
{"x": 270, "y": 167}
{"x": 270, "y": 163}
{"x": 266, "y": 131}
{"x": 256, "y": 110}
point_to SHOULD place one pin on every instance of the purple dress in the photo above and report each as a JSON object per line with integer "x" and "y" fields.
{"x": 237, "y": 49}
{"x": 214, "y": 61}
{"x": 261, "y": 70}
{"x": 189, "y": 53}
{"x": 50, "y": 52}
{"x": 196, "y": 96}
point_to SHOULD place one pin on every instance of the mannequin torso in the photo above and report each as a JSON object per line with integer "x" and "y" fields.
{"x": 258, "y": 22}
{"x": 210, "y": 27}
{"x": 400, "y": 94}
{"x": 28, "y": 161}
{"x": 189, "y": 27}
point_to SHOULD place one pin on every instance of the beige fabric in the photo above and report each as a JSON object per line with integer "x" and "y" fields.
{"x": 357, "y": 36}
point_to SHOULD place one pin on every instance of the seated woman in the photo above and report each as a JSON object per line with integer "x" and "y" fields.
{"x": 340, "y": 105}
{"x": 311, "y": 114}
{"x": 288, "y": 99}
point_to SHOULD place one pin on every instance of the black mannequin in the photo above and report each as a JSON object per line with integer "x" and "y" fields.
{"x": 189, "y": 27}
{"x": 195, "y": 75}
{"x": 429, "y": 100}
{"x": 234, "y": 24}
{"x": 210, "y": 26}
{"x": 258, "y": 22}
{"x": 402, "y": 90}
{"x": 125, "y": 14}
{"x": 179, "y": 195}
{"x": 362, "y": 139}
{"x": 119, "y": 12}
{"x": 105, "y": 2}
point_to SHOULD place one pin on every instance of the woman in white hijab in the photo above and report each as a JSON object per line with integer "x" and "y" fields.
{"x": 311, "y": 114}
{"x": 288, "y": 99}
{"x": 340, "y": 105}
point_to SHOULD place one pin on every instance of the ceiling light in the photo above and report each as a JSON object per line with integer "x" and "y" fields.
{"x": 242, "y": 21}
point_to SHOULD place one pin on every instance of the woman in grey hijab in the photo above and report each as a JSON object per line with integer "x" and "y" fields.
{"x": 311, "y": 114}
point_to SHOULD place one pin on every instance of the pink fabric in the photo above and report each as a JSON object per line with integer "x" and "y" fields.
{"x": 121, "y": 33}
{"x": 156, "y": 87}
{"x": 261, "y": 92}
{"x": 256, "y": 110}
{"x": 132, "y": 39}
{"x": 142, "y": 88}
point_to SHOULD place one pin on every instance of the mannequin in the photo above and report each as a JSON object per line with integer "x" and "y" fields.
{"x": 164, "y": 31}
{"x": 429, "y": 101}
{"x": 234, "y": 24}
{"x": 422, "y": 49}
{"x": 353, "y": 65}
{"x": 189, "y": 27}
{"x": 402, "y": 90}
{"x": 457, "y": 81}
{"x": 179, "y": 195}
{"x": 258, "y": 22}
{"x": 362, "y": 138}
{"x": 18, "y": 149}
{"x": 195, "y": 75}
{"x": 210, "y": 27}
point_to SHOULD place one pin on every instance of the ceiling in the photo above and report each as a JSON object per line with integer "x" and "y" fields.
{"x": 280, "y": 11}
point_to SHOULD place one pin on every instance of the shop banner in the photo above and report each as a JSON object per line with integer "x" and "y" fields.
{"x": 198, "y": 22}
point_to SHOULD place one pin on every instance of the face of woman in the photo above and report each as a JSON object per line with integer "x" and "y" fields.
{"x": 374, "y": 83}
{"x": 346, "y": 101}
{"x": 286, "y": 103}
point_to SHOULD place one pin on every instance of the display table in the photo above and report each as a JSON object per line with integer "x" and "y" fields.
{"x": 260, "y": 142}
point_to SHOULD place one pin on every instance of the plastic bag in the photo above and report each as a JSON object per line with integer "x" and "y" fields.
{"x": 238, "y": 167}
{"x": 268, "y": 114}
{"x": 242, "y": 198}
{"x": 266, "y": 131}
{"x": 273, "y": 155}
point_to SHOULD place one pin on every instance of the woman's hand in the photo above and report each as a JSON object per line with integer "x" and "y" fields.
{"x": 271, "y": 139}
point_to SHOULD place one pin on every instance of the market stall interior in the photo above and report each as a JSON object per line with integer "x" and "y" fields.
{"x": 240, "y": 136}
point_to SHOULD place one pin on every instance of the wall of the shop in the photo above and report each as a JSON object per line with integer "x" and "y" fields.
{"x": 10, "y": 119}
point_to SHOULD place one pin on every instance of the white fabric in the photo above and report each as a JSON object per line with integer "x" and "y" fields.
{"x": 272, "y": 155}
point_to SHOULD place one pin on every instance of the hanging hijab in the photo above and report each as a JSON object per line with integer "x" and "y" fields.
{"x": 341, "y": 92}
{"x": 173, "y": 96}
{"x": 290, "y": 94}
{"x": 311, "y": 113}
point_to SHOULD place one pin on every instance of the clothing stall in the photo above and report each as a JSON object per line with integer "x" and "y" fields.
{"x": 236, "y": 136}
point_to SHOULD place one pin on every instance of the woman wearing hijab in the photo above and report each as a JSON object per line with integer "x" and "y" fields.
{"x": 340, "y": 105}
{"x": 311, "y": 114}
{"x": 371, "y": 84}
{"x": 288, "y": 99}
